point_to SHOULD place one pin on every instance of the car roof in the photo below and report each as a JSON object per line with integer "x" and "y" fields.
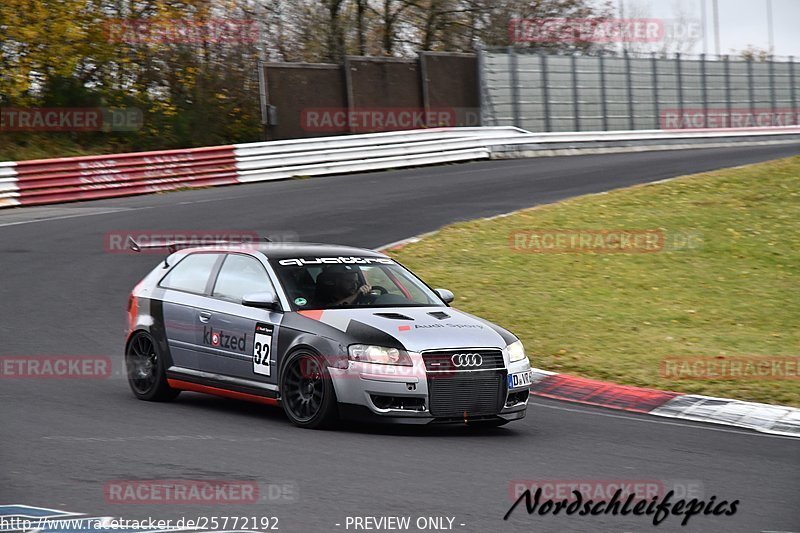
{"x": 283, "y": 250}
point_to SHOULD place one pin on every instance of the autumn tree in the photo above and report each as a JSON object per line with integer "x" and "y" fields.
{"x": 195, "y": 88}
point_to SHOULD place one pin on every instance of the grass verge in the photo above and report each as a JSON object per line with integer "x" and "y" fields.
{"x": 724, "y": 285}
{"x": 42, "y": 146}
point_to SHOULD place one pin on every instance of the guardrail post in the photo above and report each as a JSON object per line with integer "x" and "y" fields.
{"x": 750, "y": 89}
{"x": 654, "y": 75}
{"x": 514, "y": 74}
{"x": 727, "y": 65}
{"x": 679, "y": 73}
{"x": 629, "y": 83}
{"x": 575, "y": 94}
{"x": 545, "y": 90}
{"x": 793, "y": 90}
{"x": 263, "y": 100}
{"x": 773, "y": 99}
{"x": 482, "y": 98}
{"x": 423, "y": 76}
{"x": 603, "y": 103}
{"x": 350, "y": 94}
{"x": 704, "y": 88}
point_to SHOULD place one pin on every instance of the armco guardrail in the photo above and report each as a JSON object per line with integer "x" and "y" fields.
{"x": 51, "y": 181}
{"x": 566, "y": 143}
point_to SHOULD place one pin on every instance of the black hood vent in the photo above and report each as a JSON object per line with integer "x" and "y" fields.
{"x": 394, "y": 316}
{"x": 441, "y": 315}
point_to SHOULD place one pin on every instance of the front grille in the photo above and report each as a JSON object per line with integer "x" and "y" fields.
{"x": 442, "y": 360}
{"x": 466, "y": 394}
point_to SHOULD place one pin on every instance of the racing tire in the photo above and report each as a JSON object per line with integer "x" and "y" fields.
{"x": 145, "y": 368}
{"x": 307, "y": 393}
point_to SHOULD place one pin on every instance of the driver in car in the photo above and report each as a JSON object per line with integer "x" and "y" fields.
{"x": 338, "y": 286}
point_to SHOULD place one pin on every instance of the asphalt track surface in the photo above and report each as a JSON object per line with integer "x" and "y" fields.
{"x": 63, "y": 440}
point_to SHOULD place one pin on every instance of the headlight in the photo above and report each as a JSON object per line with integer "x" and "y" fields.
{"x": 381, "y": 355}
{"x": 515, "y": 351}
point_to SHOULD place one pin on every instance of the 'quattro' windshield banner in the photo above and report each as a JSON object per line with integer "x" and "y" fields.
{"x": 336, "y": 261}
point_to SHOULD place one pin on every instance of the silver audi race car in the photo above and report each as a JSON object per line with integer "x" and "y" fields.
{"x": 325, "y": 331}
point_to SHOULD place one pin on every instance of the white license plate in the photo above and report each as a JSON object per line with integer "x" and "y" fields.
{"x": 520, "y": 379}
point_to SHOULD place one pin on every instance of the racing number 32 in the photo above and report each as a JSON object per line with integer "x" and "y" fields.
{"x": 261, "y": 352}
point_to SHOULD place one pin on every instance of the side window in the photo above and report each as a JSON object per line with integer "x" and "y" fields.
{"x": 240, "y": 275}
{"x": 191, "y": 274}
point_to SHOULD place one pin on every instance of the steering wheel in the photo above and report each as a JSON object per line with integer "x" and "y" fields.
{"x": 376, "y": 292}
{"x": 380, "y": 290}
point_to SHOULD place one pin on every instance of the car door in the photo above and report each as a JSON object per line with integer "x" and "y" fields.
{"x": 239, "y": 340}
{"x": 184, "y": 300}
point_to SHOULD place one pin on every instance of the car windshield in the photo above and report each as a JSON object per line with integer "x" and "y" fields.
{"x": 351, "y": 282}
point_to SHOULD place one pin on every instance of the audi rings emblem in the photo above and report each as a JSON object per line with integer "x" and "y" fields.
{"x": 466, "y": 360}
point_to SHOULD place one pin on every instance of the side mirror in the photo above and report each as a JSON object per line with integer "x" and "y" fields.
{"x": 445, "y": 295}
{"x": 261, "y": 300}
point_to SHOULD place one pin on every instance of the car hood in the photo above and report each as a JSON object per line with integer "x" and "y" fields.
{"x": 416, "y": 328}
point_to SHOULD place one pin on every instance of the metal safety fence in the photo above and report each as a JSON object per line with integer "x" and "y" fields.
{"x": 544, "y": 92}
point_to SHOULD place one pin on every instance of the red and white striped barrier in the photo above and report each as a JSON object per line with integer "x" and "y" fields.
{"x": 9, "y": 191}
{"x": 48, "y": 181}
